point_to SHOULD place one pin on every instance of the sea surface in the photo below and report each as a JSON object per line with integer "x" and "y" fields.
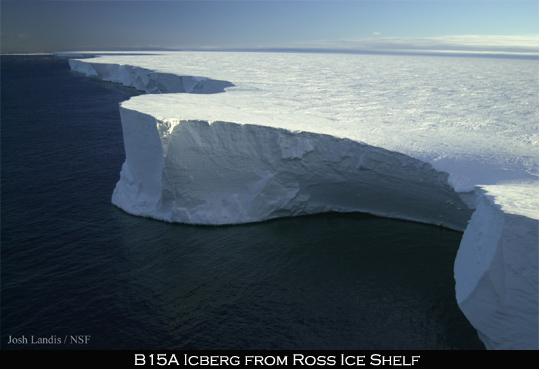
{"x": 79, "y": 273}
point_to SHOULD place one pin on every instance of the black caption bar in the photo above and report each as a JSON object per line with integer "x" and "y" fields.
{"x": 265, "y": 359}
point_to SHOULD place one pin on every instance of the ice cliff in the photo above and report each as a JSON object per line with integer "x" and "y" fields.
{"x": 233, "y": 158}
{"x": 147, "y": 80}
{"x": 202, "y": 172}
{"x": 496, "y": 268}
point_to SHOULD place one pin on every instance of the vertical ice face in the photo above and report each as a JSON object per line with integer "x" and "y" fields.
{"x": 496, "y": 273}
{"x": 148, "y": 81}
{"x": 203, "y": 172}
{"x": 141, "y": 174}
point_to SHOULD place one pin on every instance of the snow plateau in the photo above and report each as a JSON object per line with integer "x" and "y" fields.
{"x": 299, "y": 134}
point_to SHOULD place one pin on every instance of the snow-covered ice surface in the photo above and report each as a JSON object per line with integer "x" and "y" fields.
{"x": 263, "y": 135}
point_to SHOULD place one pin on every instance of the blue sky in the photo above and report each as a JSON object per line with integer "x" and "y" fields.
{"x": 44, "y": 26}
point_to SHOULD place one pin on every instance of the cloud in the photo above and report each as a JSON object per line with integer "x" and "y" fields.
{"x": 490, "y": 44}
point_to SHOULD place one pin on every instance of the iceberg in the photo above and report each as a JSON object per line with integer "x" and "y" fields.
{"x": 268, "y": 135}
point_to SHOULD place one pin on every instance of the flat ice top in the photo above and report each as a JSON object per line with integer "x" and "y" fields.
{"x": 475, "y": 118}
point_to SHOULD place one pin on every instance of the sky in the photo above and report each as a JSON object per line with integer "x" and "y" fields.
{"x": 46, "y": 26}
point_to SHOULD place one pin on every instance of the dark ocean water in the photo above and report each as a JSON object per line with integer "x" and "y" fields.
{"x": 75, "y": 265}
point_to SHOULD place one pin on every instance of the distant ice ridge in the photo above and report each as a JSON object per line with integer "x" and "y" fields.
{"x": 197, "y": 159}
{"x": 147, "y": 80}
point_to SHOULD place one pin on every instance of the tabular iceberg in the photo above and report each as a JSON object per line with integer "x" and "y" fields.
{"x": 247, "y": 155}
